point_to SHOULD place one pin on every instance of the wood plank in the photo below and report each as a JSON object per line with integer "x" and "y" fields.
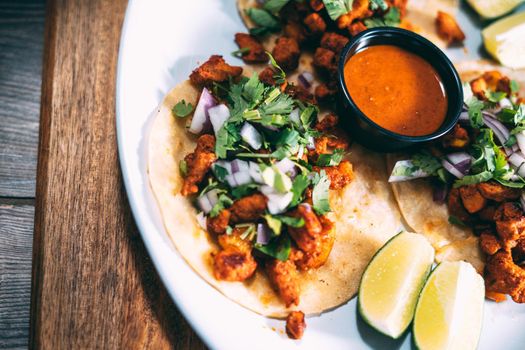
{"x": 93, "y": 285}
{"x": 21, "y": 44}
{"x": 16, "y": 237}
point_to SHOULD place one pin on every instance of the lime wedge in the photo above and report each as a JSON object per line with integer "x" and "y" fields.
{"x": 392, "y": 281}
{"x": 450, "y": 308}
{"x": 493, "y": 8}
{"x": 505, "y": 40}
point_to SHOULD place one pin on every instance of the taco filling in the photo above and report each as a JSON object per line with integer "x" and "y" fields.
{"x": 478, "y": 170}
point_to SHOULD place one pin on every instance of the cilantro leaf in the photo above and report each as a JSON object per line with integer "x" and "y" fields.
{"x": 264, "y": 20}
{"x": 332, "y": 159}
{"x": 473, "y": 179}
{"x": 243, "y": 190}
{"x": 280, "y": 75}
{"x": 282, "y": 104}
{"x": 514, "y": 86}
{"x": 391, "y": 19}
{"x": 378, "y": 4}
{"x": 182, "y": 109}
{"x": 299, "y": 184}
{"x": 337, "y": 8}
{"x": 454, "y": 220}
{"x": 426, "y": 162}
{"x": 183, "y": 168}
{"x": 307, "y": 116}
{"x": 274, "y": 6}
{"x": 223, "y": 202}
{"x": 219, "y": 172}
{"x": 291, "y": 221}
{"x": 495, "y": 96}
{"x": 253, "y": 90}
{"x": 227, "y": 136}
{"x": 475, "y": 107}
{"x": 278, "y": 248}
{"x": 320, "y": 194}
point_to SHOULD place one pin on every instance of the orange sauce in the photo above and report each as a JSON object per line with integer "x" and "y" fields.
{"x": 396, "y": 89}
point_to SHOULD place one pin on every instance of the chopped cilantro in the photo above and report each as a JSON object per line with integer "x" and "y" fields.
{"x": 495, "y": 96}
{"x": 243, "y": 190}
{"x": 378, "y": 4}
{"x": 514, "y": 86}
{"x": 475, "y": 107}
{"x": 307, "y": 116}
{"x": 264, "y": 20}
{"x": 183, "y": 168}
{"x": 391, "y": 19}
{"x": 227, "y": 136}
{"x": 274, "y": 6}
{"x": 280, "y": 75}
{"x": 278, "y": 248}
{"x": 320, "y": 194}
{"x": 291, "y": 221}
{"x": 331, "y": 159}
{"x": 299, "y": 184}
{"x": 473, "y": 179}
{"x": 426, "y": 162}
{"x": 253, "y": 90}
{"x": 337, "y": 8}
{"x": 182, "y": 109}
{"x": 223, "y": 202}
{"x": 219, "y": 172}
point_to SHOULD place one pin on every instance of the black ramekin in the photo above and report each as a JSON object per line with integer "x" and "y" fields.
{"x": 363, "y": 129}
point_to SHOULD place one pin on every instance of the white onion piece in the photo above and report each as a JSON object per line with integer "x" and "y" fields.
{"x": 213, "y": 196}
{"x": 500, "y": 130}
{"x": 277, "y": 202}
{"x": 218, "y": 116}
{"x": 452, "y": 169}
{"x": 201, "y": 220}
{"x": 231, "y": 180}
{"x": 520, "y": 138}
{"x": 204, "y": 204}
{"x": 266, "y": 190}
{"x": 505, "y": 103}
{"x": 201, "y": 119}
{"x": 518, "y": 161}
{"x": 286, "y": 166}
{"x": 255, "y": 172}
{"x": 224, "y": 164}
{"x": 263, "y": 234}
{"x": 242, "y": 178}
{"x": 458, "y": 157}
{"x": 311, "y": 143}
{"x": 306, "y": 79}
{"x": 300, "y": 153}
{"x": 294, "y": 116}
{"x": 251, "y": 136}
{"x": 239, "y": 165}
{"x": 406, "y": 163}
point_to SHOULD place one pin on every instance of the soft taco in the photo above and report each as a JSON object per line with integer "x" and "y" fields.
{"x": 307, "y": 245}
{"x": 462, "y": 192}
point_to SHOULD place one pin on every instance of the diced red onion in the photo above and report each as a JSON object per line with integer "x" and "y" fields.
{"x": 286, "y": 166}
{"x": 263, "y": 234}
{"x": 201, "y": 220}
{"x": 518, "y": 161}
{"x": 239, "y": 165}
{"x": 464, "y": 116}
{"x": 451, "y": 169}
{"x": 294, "y": 116}
{"x": 218, "y": 116}
{"x": 242, "y": 177}
{"x": 500, "y": 130}
{"x": 278, "y": 202}
{"x": 230, "y": 179}
{"x": 255, "y": 172}
{"x": 306, "y": 79}
{"x": 520, "y": 138}
{"x": 440, "y": 193}
{"x": 311, "y": 143}
{"x": 458, "y": 157}
{"x": 207, "y": 201}
{"x": 251, "y": 136}
{"x": 201, "y": 119}
{"x": 224, "y": 164}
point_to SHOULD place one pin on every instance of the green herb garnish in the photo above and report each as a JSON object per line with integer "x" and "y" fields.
{"x": 320, "y": 194}
{"x": 182, "y": 109}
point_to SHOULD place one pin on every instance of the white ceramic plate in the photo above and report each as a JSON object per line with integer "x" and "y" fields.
{"x": 162, "y": 41}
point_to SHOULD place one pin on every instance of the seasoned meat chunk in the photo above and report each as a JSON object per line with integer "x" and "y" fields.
{"x": 248, "y": 209}
{"x": 317, "y": 5}
{"x": 491, "y": 80}
{"x": 487, "y": 213}
{"x": 286, "y": 53}
{"x": 324, "y": 59}
{"x": 328, "y": 122}
{"x": 315, "y": 24}
{"x": 489, "y": 243}
{"x": 456, "y": 139}
{"x": 497, "y": 192}
{"x": 233, "y": 265}
{"x": 295, "y": 31}
{"x": 285, "y": 278}
{"x": 510, "y": 223}
{"x": 455, "y": 206}
{"x": 218, "y": 224}
{"x": 256, "y": 52}
{"x": 356, "y": 28}
{"x": 307, "y": 237}
{"x": 334, "y": 42}
{"x": 472, "y": 200}
{"x": 300, "y": 93}
{"x": 267, "y": 76}
{"x": 295, "y": 325}
{"x": 448, "y": 29}
{"x": 215, "y": 69}
{"x": 198, "y": 163}
{"x": 324, "y": 94}
{"x": 339, "y": 176}
{"x": 360, "y": 10}
{"x": 326, "y": 241}
{"x": 518, "y": 253}
{"x": 235, "y": 241}
{"x": 502, "y": 275}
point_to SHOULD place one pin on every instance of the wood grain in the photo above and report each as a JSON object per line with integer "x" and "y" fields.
{"x": 21, "y": 38}
{"x": 93, "y": 285}
{"x": 16, "y": 237}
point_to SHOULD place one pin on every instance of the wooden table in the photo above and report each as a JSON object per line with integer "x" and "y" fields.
{"x": 93, "y": 285}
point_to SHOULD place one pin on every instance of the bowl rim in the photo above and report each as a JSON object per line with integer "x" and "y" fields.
{"x": 457, "y": 83}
